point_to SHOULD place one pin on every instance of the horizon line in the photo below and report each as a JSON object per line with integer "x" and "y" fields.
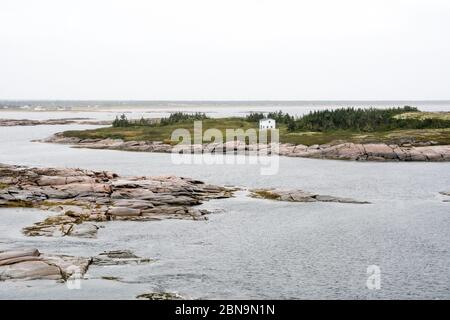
{"x": 236, "y": 100}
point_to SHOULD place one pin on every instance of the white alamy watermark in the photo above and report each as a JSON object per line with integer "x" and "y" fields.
{"x": 374, "y": 277}
{"x": 73, "y": 282}
{"x": 208, "y": 147}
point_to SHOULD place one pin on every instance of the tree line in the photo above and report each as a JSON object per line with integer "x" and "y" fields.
{"x": 278, "y": 116}
{"x": 176, "y": 117}
{"x": 354, "y": 119}
{"x": 365, "y": 120}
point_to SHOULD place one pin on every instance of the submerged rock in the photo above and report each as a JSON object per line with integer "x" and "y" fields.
{"x": 160, "y": 296}
{"x": 446, "y": 193}
{"x": 118, "y": 257}
{"x": 298, "y": 196}
{"x": 81, "y": 196}
{"x": 111, "y": 278}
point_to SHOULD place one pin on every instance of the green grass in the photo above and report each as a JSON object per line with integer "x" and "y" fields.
{"x": 163, "y": 133}
{"x": 440, "y": 136}
{"x": 160, "y": 133}
{"x": 3, "y": 186}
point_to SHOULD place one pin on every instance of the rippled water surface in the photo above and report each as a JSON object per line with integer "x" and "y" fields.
{"x": 254, "y": 248}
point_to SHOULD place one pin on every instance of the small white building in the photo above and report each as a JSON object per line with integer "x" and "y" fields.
{"x": 266, "y": 123}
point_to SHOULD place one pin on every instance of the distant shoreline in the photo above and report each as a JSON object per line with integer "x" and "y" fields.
{"x": 101, "y": 104}
{"x": 342, "y": 151}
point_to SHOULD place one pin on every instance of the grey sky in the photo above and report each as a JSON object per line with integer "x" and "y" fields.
{"x": 225, "y": 49}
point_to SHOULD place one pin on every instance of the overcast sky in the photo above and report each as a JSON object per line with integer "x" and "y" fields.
{"x": 225, "y": 49}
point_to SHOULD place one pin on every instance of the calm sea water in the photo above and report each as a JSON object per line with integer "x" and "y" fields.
{"x": 254, "y": 248}
{"x": 108, "y": 110}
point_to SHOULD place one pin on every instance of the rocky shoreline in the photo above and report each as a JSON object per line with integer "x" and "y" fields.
{"x": 83, "y": 198}
{"x": 27, "y": 122}
{"x": 338, "y": 151}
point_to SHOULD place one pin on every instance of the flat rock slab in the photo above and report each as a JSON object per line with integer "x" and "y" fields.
{"x": 298, "y": 196}
{"x": 12, "y": 255}
{"x": 30, "y": 270}
{"x": 30, "y": 264}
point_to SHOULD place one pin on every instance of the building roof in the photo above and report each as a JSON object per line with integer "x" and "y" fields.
{"x": 265, "y": 119}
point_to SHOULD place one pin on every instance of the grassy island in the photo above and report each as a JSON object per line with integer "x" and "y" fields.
{"x": 393, "y": 125}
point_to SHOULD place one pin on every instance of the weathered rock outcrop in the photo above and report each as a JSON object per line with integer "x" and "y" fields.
{"x": 298, "y": 196}
{"x": 368, "y": 152}
{"x": 339, "y": 151}
{"x": 30, "y": 264}
{"x": 28, "y": 122}
{"x": 81, "y": 196}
